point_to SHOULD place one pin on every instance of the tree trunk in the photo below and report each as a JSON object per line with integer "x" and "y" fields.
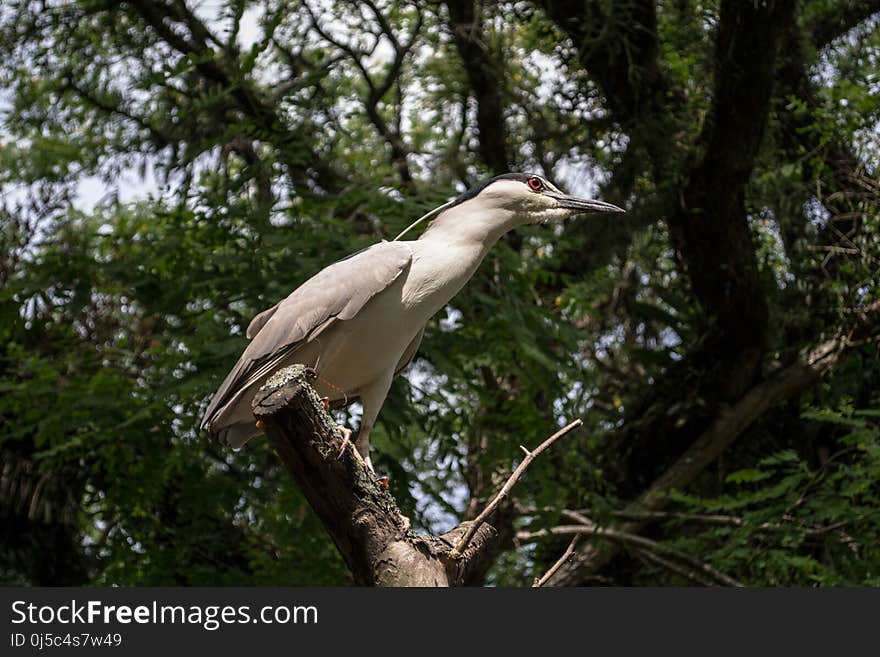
{"x": 362, "y": 518}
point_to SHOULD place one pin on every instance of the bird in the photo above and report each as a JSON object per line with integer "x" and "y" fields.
{"x": 359, "y": 322}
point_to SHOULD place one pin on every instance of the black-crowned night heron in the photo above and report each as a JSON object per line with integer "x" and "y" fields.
{"x": 359, "y": 322}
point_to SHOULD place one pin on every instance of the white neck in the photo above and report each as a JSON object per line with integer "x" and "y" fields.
{"x": 449, "y": 252}
{"x": 477, "y": 228}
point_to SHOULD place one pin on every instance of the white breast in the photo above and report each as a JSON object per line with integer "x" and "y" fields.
{"x": 438, "y": 272}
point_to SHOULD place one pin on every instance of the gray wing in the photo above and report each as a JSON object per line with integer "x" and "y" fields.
{"x": 260, "y": 320}
{"x": 337, "y": 292}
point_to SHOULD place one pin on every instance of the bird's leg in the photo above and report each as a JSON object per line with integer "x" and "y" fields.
{"x": 346, "y": 440}
{"x": 372, "y": 396}
{"x": 362, "y": 444}
{"x": 344, "y": 430}
{"x": 363, "y": 448}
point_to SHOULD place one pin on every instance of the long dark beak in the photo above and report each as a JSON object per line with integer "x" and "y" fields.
{"x": 583, "y": 204}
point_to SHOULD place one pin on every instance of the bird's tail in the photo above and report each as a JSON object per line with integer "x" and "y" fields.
{"x": 237, "y": 435}
{"x": 233, "y": 423}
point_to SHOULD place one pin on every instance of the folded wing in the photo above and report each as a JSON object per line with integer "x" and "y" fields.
{"x": 336, "y": 293}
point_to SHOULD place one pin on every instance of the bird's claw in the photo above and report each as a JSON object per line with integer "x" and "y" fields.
{"x": 346, "y": 441}
{"x": 365, "y": 460}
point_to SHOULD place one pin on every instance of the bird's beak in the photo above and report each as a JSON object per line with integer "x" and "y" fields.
{"x": 583, "y": 204}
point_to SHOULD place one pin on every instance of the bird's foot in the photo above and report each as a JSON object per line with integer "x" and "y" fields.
{"x": 325, "y": 402}
{"x": 346, "y": 441}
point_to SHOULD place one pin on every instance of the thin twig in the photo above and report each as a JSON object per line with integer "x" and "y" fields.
{"x": 671, "y": 566}
{"x": 711, "y": 519}
{"x": 728, "y": 521}
{"x": 632, "y": 539}
{"x": 540, "y": 581}
{"x": 506, "y": 488}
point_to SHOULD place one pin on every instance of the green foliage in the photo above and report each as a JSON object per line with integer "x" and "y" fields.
{"x": 789, "y": 521}
{"x": 235, "y": 156}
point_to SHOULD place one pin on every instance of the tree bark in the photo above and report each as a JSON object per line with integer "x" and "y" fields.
{"x": 362, "y": 518}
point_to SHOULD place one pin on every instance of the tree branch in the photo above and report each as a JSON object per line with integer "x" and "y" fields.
{"x": 671, "y": 566}
{"x": 376, "y": 90}
{"x": 569, "y": 551}
{"x": 485, "y": 75}
{"x": 361, "y": 517}
{"x": 709, "y": 229}
{"x": 840, "y": 18}
{"x": 245, "y": 96}
{"x": 730, "y": 423}
{"x": 727, "y": 521}
{"x": 508, "y": 486}
{"x": 621, "y": 537}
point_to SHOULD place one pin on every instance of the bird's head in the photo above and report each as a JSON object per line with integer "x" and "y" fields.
{"x": 532, "y": 198}
{"x": 510, "y": 200}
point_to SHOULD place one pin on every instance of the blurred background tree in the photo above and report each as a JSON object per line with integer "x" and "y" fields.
{"x": 169, "y": 168}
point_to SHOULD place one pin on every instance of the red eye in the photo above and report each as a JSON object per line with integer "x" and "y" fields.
{"x": 536, "y": 184}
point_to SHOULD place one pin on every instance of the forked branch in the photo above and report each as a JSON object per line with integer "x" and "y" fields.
{"x": 359, "y": 514}
{"x": 508, "y": 486}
